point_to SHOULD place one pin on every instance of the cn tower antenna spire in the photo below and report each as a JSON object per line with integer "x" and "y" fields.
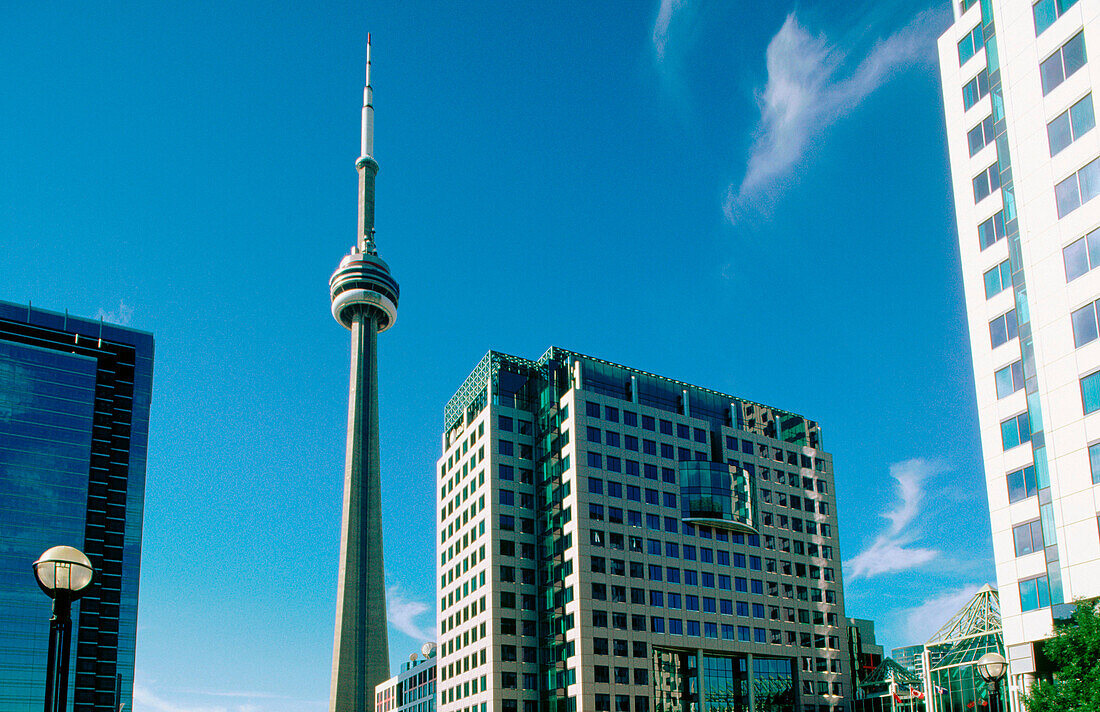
{"x": 367, "y": 137}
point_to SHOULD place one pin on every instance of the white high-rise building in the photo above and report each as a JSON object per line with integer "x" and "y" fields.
{"x": 609, "y": 539}
{"x": 1018, "y": 98}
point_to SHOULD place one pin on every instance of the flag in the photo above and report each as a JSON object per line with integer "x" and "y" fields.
{"x": 897, "y": 698}
{"x": 913, "y": 692}
{"x": 939, "y": 690}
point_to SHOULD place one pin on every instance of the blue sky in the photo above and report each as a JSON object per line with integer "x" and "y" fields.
{"x": 753, "y": 198}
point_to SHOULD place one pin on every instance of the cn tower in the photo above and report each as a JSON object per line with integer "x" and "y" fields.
{"x": 364, "y": 300}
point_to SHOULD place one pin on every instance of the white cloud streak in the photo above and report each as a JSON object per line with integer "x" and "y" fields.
{"x": 660, "y": 27}
{"x": 402, "y": 613}
{"x": 891, "y": 551}
{"x": 121, "y": 316}
{"x": 807, "y": 91}
{"x": 920, "y": 622}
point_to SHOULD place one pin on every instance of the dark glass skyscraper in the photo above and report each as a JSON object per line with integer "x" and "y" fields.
{"x": 74, "y": 425}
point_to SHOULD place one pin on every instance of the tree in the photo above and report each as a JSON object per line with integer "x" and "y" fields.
{"x": 1075, "y": 652}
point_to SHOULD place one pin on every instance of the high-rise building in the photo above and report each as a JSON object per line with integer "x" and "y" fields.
{"x": 612, "y": 539}
{"x": 864, "y": 654}
{"x": 911, "y": 658}
{"x": 74, "y": 427}
{"x": 413, "y": 688}
{"x": 364, "y": 300}
{"x": 1017, "y": 88}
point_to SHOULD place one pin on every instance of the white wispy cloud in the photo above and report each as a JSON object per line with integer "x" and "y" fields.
{"x": 920, "y": 622}
{"x": 146, "y": 699}
{"x": 892, "y": 550}
{"x": 660, "y": 27}
{"x": 403, "y": 612}
{"x": 121, "y": 316}
{"x": 810, "y": 86}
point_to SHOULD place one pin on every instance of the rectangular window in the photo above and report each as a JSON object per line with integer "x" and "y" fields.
{"x": 992, "y": 230}
{"x": 1094, "y": 462}
{"x": 975, "y": 89}
{"x": 1021, "y": 483}
{"x": 1034, "y": 594}
{"x": 1078, "y": 189}
{"x": 986, "y": 182}
{"x": 1015, "y": 431}
{"x": 1084, "y": 325}
{"x": 1070, "y": 125}
{"x": 1003, "y": 329}
{"x": 1028, "y": 538}
{"x": 969, "y": 45}
{"x": 1062, "y": 64}
{"x": 998, "y": 279}
{"x": 1082, "y": 255}
{"x": 1009, "y": 379}
{"x": 981, "y": 135}
{"x": 1047, "y": 11}
{"x": 1090, "y": 392}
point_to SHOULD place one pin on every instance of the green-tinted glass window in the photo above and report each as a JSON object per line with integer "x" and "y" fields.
{"x": 1090, "y": 392}
{"x": 1094, "y": 462}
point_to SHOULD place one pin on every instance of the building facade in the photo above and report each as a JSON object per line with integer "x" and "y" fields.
{"x": 1017, "y": 87}
{"x": 614, "y": 540}
{"x": 864, "y": 654}
{"x": 413, "y": 688}
{"x": 74, "y": 425}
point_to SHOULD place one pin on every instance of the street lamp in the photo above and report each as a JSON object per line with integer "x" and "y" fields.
{"x": 64, "y": 574}
{"x": 991, "y": 668}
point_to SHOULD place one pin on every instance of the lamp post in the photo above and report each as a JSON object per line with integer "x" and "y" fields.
{"x": 991, "y": 668}
{"x": 64, "y": 574}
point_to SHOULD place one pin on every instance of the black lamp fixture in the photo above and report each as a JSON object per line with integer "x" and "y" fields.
{"x": 64, "y": 574}
{"x": 991, "y": 668}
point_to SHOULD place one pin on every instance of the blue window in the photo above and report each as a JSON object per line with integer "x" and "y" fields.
{"x": 758, "y": 610}
{"x": 649, "y": 447}
{"x": 592, "y": 410}
{"x": 707, "y": 579}
{"x": 611, "y": 414}
{"x": 675, "y": 626}
{"x": 672, "y": 576}
{"x": 975, "y": 89}
{"x": 724, "y": 582}
{"x": 744, "y": 633}
{"x": 726, "y": 607}
{"x": 1082, "y": 255}
{"x": 1028, "y": 537}
{"x": 1071, "y": 125}
{"x": 630, "y": 442}
{"x": 650, "y": 471}
{"x": 634, "y": 519}
{"x": 691, "y": 578}
{"x": 700, "y": 435}
{"x": 1009, "y": 379}
{"x": 674, "y": 599}
{"x": 1064, "y": 63}
{"x": 667, "y": 451}
{"x": 1015, "y": 431}
{"x": 727, "y": 631}
{"x": 651, "y": 496}
{"x": 683, "y": 454}
{"x": 634, "y": 493}
{"x": 710, "y": 630}
{"x": 731, "y": 443}
{"x": 723, "y": 557}
{"x": 739, "y": 560}
{"x": 992, "y": 230}
{"x": 682, "y": 431}
{"x": 1003, "y": 329}
{"x": 1084, "y": 325}
{"x": 668, "y": 475}
{"x": 1094, "y": 462}
{"x": 654, "y": 572}
{"x": 666, "y": 427}
{"x": 693, "y": 628}
{"x": 746, "y": 447}
{"x": 648, "y": 423}
{"x": 653, "y": 521}
{"x": 672, "y": 550}
{"x": 657, "y": 625}
{"x": 1021, "y": 483}
{"x": 981, "y": 135}
{"x": 754, "y": 563}
{"x": 670, "y": 500}
{"x": 689, "y": 552}
{"x": 611, "y": 438}
{"x": 614, "y": 464}
{"x": 595, "y": 460}
{"x": 672, "y": 524}
{"x": 593, "y": 434}
{"x": 741, "y": 584}
{"x": 632, "y": 468}
{"x": 743, "y": 609}
{"x": 969, "y": 45}
{"x": 657, "y": 599}
{"x": 758, "y": 586}
{"x": 986, "y": 182}
{"x": 654, "y": 547}
{"x": 506, "y": 447}
{"x": 614, "y": 489}
{"x": 759, "y": 635}
{"x": 1090, "y": 392}
{"x": 595, "y": 485}
{"x": 1047, "y": 11}
{"x": 505, "y": 472}
{"x": 998, "y": 279}
{"x": 1078, "y": 189}
{"x": 1034, "y": 594}
{"x": 630, "y": 418}
{"x": 504, "y": 423}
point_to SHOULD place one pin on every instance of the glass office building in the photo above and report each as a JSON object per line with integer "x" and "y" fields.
{"x": 610, "y": 539}
{"x": 74, "y": 419}
{"x": 1025, "y": 169}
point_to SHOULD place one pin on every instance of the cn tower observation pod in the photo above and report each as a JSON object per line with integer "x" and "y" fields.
{"x": 718, "y": 495}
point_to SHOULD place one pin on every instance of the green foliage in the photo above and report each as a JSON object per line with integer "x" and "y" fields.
{"x": 1075, "y": 652}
